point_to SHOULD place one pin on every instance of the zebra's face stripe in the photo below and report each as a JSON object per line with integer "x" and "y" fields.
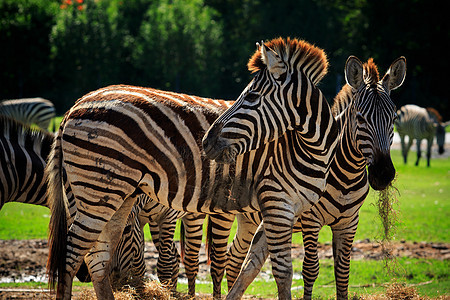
{"x": 375, "y": 114}
{"x": 263, "y": 112}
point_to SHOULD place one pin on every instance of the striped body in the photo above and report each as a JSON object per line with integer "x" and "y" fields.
{"x": 23, "y": 152}
{"x": 121, "y": 140}
{"x": 420, "y": 123}
{"x": 29, "y": 111}
{"x": 347, "y": 183}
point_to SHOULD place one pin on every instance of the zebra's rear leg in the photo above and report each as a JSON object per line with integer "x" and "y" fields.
{"x": 218, "y": 239}
{"x": 99, "y": 257}
{"x": 419, "y": 153}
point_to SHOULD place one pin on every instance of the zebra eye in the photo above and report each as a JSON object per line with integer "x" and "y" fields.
{"x": 360, "y": 118}
{"x": 252, "y": 96}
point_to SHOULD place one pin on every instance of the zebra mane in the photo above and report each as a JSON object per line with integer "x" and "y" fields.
{"x": 434, "y": 112}
{"x": 371, "y": 75}
{"x": 311, "y": 60}
{"x": 344, "y": 97}
{"x": 16, "y": 129}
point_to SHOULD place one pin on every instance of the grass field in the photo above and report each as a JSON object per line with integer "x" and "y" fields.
{"x": 423, "y": 210}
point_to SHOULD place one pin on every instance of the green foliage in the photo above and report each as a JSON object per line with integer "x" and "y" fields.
{"x": 178, "y": 46}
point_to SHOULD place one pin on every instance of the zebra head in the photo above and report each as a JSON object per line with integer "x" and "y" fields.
{"x": 440, "y": 135}
{"x": 373, "y": 114}
{"x": 286, "y": 72}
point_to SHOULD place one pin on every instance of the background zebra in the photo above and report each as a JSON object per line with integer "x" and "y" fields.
{"x": 23, "y": 152}
{"x": 420, "y": 123}
{"x": 119, "y": 139}
{"x": 362, "y": 106}
{"x": 30, "y": 111}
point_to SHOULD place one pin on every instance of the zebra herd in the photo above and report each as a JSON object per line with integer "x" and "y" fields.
{"x": 278, "y": 158}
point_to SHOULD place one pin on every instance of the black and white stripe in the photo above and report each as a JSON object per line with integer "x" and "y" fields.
{"x": 23, "y": 152}
{"x": 29, "y": 111}
{"x": 365, "y": 114}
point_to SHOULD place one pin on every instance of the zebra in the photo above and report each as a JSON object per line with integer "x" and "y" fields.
{"x": 365, "y": 116}
{"x": 120, "y": 139}
{"x": 30, "y": 111}
{"x": 420, "y": 123}
{"x": 24, "y": 152}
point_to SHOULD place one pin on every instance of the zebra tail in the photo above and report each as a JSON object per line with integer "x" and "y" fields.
{"x": 57, "y": 236}
{"x": 208, "y": 240}
{"x": 182, "y": 240}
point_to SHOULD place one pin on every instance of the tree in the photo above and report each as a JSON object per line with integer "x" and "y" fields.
{"x": 179, "y": 46}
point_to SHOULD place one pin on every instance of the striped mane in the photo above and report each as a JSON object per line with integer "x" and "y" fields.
{"x": 435, "y": 114}
{"x": 344, "y": 97}
{"x": 310, "y": 60}
{"x": 17, "y": 131}
{"x": 371, "y": 75}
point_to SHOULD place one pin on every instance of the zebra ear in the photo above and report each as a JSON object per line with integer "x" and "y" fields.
{"x": 272, "y": 60}
{"x": 395, "y": 75}
{"x": 354, "y": 72}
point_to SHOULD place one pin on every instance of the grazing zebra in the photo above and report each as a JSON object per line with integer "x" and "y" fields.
{"x": 37, "y": 111}
{"x": 119, "y": 140}
{"x": 23, "y": 152}
{"x": 420, "y": 123}
{"x": 365, "y": 115}
{"x": 128, "y": 258}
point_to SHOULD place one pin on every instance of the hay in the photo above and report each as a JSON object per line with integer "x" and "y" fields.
{"x": 386, "y": 205}
{"x": 150, "y": 290}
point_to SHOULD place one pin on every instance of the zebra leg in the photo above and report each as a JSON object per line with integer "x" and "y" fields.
{"x": 253, "y": 263}
{"x": 274, "y": 237}
{"x": 405, "y": 148}
{"x": 239, "y": 247}
{"x": 220, "y": 232}
{"x": 168, "y": 257}
{"x": 419, "y": 154}
{"x": 429, "y": 144}
{"x": 310, "y": 231}
{"x": 193, "y": 230}
{"x": 99, "y": 257}
{"x": 342, "y": 246}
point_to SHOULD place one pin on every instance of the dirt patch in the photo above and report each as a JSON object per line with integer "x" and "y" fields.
{"x": 24, "y": 260}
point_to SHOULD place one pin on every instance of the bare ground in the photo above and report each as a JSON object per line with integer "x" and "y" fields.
{"x": 24, "y": 260}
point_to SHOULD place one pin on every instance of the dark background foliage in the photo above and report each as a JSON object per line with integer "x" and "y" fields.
{"x": 61, "y": 50}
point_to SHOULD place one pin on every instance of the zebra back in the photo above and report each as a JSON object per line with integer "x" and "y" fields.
{"x": 23, "y": 155}
{"x": 30, "y": 111}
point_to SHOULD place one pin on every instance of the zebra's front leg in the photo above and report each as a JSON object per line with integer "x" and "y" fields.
{"x": 239, "y": 247}
{"x": 311, "y": 260}
{"x": 168, "y": 257}
{"x": 99, "y": 257}
{"x": 218, "y": 239}
{"x": 193, "y": 232}
{"x": 253, "y": 263}
{"x": 342, "y": 247}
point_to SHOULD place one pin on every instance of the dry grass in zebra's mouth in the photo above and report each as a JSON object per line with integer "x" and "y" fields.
{"x": 387, "y": 205}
